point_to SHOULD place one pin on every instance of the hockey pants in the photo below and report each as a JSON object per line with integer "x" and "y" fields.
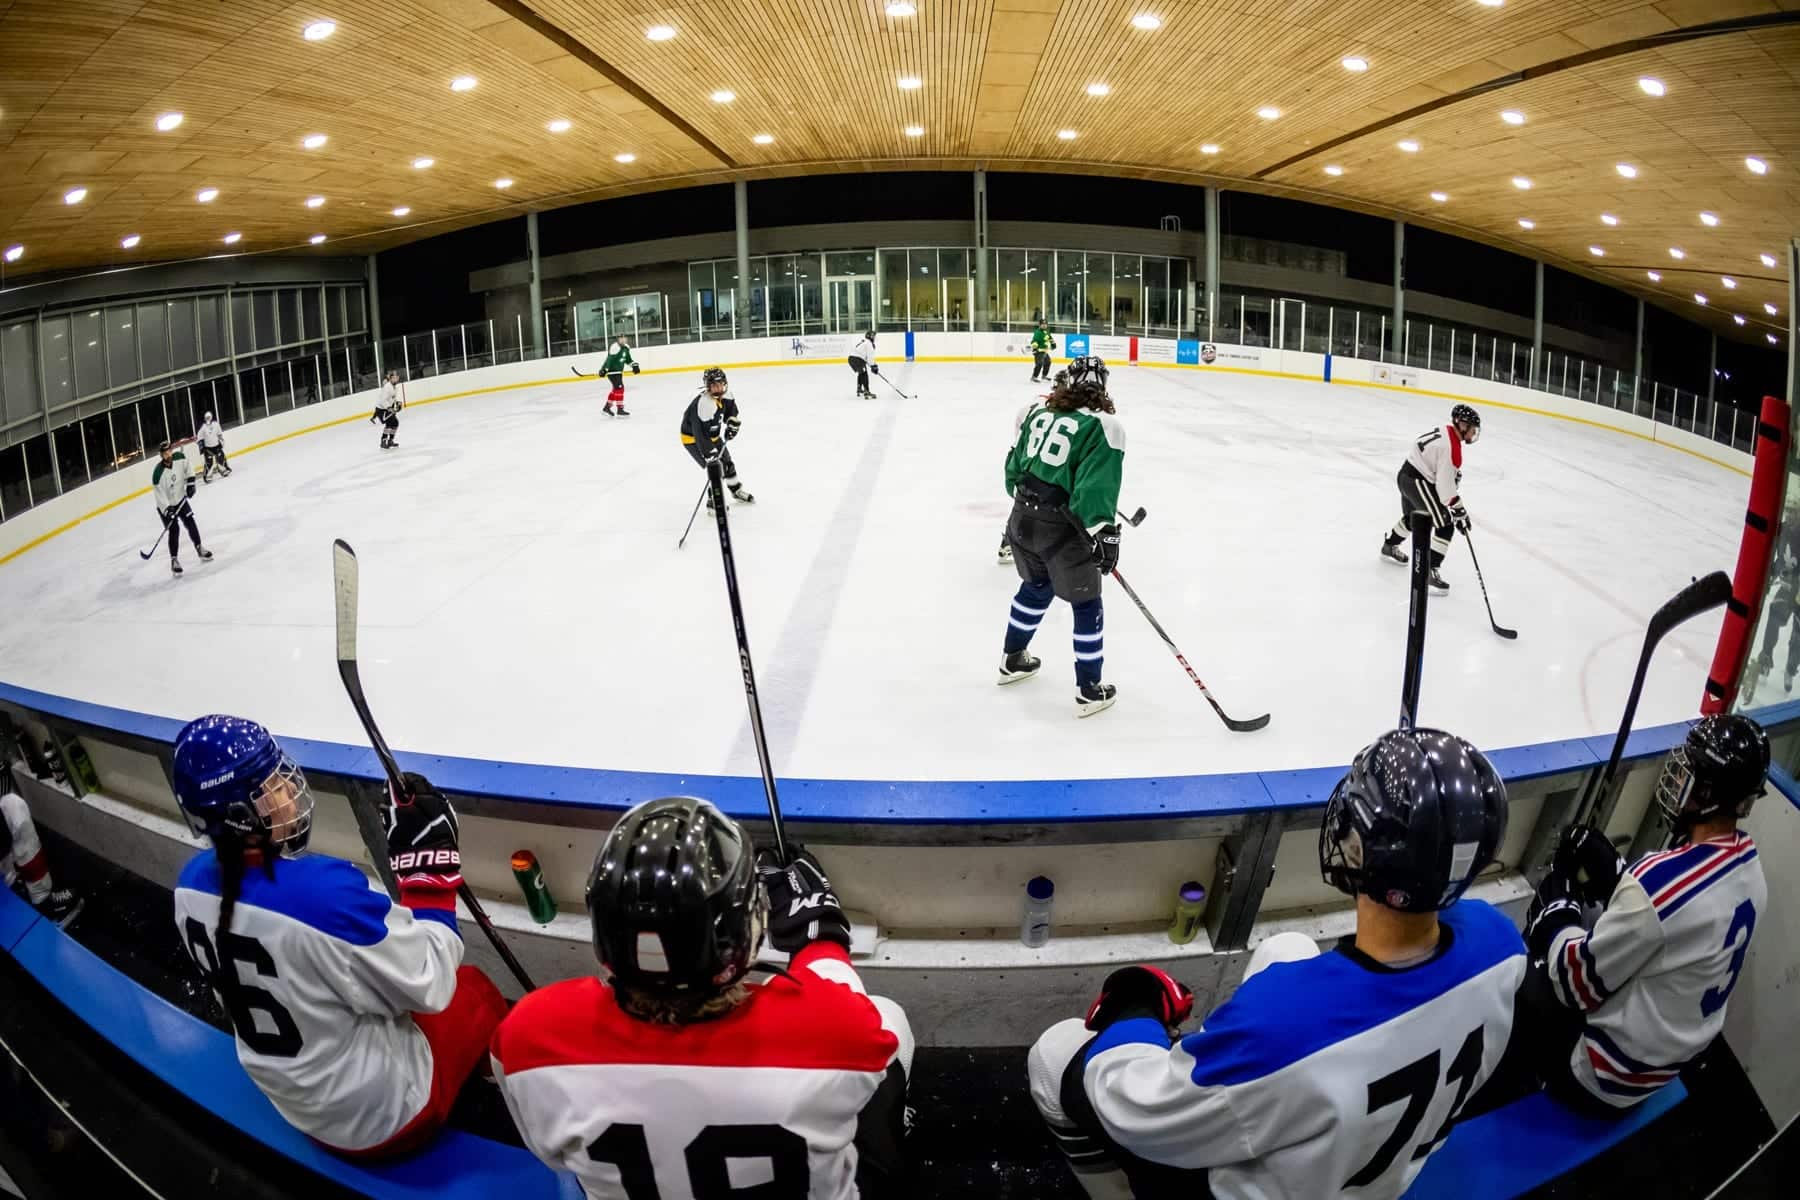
{"x": 182, "y": 516}
{"x": 883, "y": 1171}
{"x": 861, "y": 367}
{"x": 22, "y": 854}
{"x": 1106, "y": 1170}
{"x": 699, "y": 456}
{"x": 1040, "y": 365}
{"x": 1783, "y": 609}
{"x": 390, "y": 425}
{"x": 210, "y": 453}
{"x": 1419, "y": 494}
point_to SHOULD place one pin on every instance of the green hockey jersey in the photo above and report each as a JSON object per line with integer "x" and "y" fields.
{"x": 1081, "y": 452}
{"x": 617, "y": 360}
{"x": 1041, "y": 340}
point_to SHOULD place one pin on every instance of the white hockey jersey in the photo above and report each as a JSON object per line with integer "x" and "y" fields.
{"x": 1654, "y": 973}
{"x": 389, "y": 401}
{"x": 169, "y": 484}
{"x": 1437, "y": 455}
{"x": 211, "y": 435}
{"x": 766, "y": 1094}
{"x": 329, "y": 972}
{"x": 865, "y": 349}
{"x": 1331, "y": 1076}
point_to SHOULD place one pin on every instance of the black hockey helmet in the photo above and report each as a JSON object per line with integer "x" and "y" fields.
{"x": 1419, "y": 815}
{"x": 676, "y": 908}
{"x": 1465, "y": 414}
{"x": 1088, "y": 366}
{"x": 713, "y": 375}
{"x": 1719, "y": 767}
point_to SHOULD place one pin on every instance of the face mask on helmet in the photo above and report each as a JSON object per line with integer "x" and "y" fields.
{"x": 279, "y": 808}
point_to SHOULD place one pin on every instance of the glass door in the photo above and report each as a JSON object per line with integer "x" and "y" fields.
{"x": 850, "y": 303}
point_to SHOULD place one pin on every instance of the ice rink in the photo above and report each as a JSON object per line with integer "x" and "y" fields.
{"x": 524, "y": 600}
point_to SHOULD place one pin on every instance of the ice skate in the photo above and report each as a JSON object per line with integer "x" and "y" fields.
{"x": 205, "y": 554}
{"x": 174, "y": 566}
{"x": 622, "y": 411}
{"x": 1091, "y": 698}
{"x": 227, "y": 471}
{"x": 1787, "y": 681}
{"x": 1394, "y": 553}
{"x": 607, "y": 409}
{"x": 61, "y": 906}
{"x": 740, "y": 495}
{"x": 1438, "y": 584}
{"x": 1004, "y": 557}
{"x": 1017, "y": 666}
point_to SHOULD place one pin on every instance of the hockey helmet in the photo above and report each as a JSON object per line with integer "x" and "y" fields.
{"x": 1419, "y": 814}
{"x": 232, "y": 775}
{"x": 713, "y": 375}
{"x": 1465, "y": 414}
{"x": 676, "y": 907}
{"x": 1088, "y": 366}
{"x": 1718, "y": 768}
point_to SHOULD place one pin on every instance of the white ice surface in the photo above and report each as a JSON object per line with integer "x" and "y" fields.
{"x": 523, "y": 599}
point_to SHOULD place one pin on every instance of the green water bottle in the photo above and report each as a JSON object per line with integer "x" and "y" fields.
{"x": 1190, "y": 905}
{"x": 84, "y": 766}
{"x": 530, "y": 875}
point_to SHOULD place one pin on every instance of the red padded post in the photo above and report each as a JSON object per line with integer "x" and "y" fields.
{"x": 1752, "y": 576}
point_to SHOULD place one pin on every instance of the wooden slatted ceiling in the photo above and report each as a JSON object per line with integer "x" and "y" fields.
{"x": 84, "y": 79}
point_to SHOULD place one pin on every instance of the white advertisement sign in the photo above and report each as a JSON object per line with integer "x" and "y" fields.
{"x": 1160, "y": 350}
{"x": 1112, "y": 349}
{"x": 1222, "y": 355}
{"x": 1395, "y": 375}
{"x": 831, "y": 345}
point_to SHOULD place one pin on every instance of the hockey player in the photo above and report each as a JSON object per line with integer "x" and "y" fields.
{"x": 1063, "y": 474}
{"x": 707, "y": 424}
{"x": 27, "y": 867}
{"x": 1005, "y": 555}
{"x": 1430, "y": 481}
{"x": 387, "y": 409}
{"x": 674, "y": 1075}
{"x": 1782, "y": 609}
{"x": 1089, "y": 366}
{"x": 172, "y": 483}
{"x": 1324, "y": 1075}
{"x": 617, "y": 359}
{"x": 351, "y": 1012}
{"x": 1041, "y": 346}
{"x": 1610, "y": 1014}
{"x": 862, "y": 361}
{"x": 212, "y": 446}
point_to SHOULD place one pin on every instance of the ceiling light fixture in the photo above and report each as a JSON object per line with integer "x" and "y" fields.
{"x": 130, "y": 241}
{"x": 723, "y": 96}
{"x": 316, "y": 238}
{"x": 1651, "y": 87}
{"x": 1627, "y": 170}
{"x": 1738, "y": 317}
{"x": 315, "y": 202}
{"x": 1597, "y": 251}
{"x": 1522, "y": 183}
{"x": 1334, "y": 169}
{"x": 1440, "y": 197}
{"x": 1527, "y": 223}
{"x": 560, "y": 125}
{"x": 503, "y": 183}
{"x": 232, "y": 239}
{"x": 1067, "y": 135}
{"x": 1728, "y": 281}
{"x": 1098, "y": 89}
{"x": 463, "y": 83}
{"x": 915, "y": 131}
{"x": 1146, "y": 22}
{"x": 1677, "y": 252}
{"x": 1773, "y": 340}
{"x": 402, "y": 211}
{"x": 1608, "y": 219}
{"x": 1408, "y": 145}
{"x": 75, "y": 195}
{"x": 910, "y": 83}
{"x": 1209, "y": 148}
{"x": 1655, "y": 276}
{"x": 207, "y": 195}
{"x": 1512, "y": 116}
{"x": 1757, "y": 166}
{"x": 900, "y": 9}
{"x": 763, "y": 139}
{"x": 421, "y": 164}
{"x": 15, "y": 253}
{"x": 1771, "y": 310}
{"x": 313, "y": 141}
{"x": 1492, "y": 3}
{"x": 169, "y": 120}
{"x": 659, "y": 33}
{"x": 1268, "y": 112}
{"x": 1699, "y": 298}
{"x": 1710, "y": 220}
{"x": 1356, "y": 63}
{"x": 1768, "y": 260}
{"x": 318, "y": 31}
{"x": 626, "y": 157}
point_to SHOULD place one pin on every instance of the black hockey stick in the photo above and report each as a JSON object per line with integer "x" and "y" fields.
{"x": 579, "y": 375}
{"x": 168, "y": 522}
{"x": 346, "y": 577}
{"x": 1703, "y": 595}
{"x": 1231, "y": 723}
{"x": 1135, "y": 519}
{"x": 1503, "y": 631}
{"x": 715, "y": 482}
{"x": 690, "y": 525}
{"x": 1418, "y": 594}
{"x": 895, "y": 386}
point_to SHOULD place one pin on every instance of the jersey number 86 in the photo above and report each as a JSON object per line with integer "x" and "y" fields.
{"x": 1049, "y": 440}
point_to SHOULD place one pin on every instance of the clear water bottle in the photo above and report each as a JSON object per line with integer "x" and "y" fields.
{"x": 1034, "y": 929}
{"x": 1190, "y": 906}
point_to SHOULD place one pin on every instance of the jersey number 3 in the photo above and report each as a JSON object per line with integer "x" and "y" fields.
{"x": 244, "y": 1001}
{"x": 1743, "y": 918}
{"x": 625, "y": 1147}
{"x": 1049, "y": 440}
{"x": 1417, "y": 1083}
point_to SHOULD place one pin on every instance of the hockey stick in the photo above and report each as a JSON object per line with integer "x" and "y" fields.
{"x": 1135, "y": 519}
{"x": 1418, "y": 594}
{"x": 168, "y": 521}
{"x": 715, "y": 482}
{"x": 579, "y": 375}
{"x": 1703, "y": 595}
{"x": 1508, "y": 634}
{"x": 895, "y": 386}
{"x": 1231, "y": 723}
{"x": 346, "y": 577}
{"x": 690, "y": 525}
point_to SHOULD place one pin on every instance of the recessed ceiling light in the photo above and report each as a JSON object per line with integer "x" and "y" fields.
{"x": 1773, "y": 340}
{"x": 626, "y": 157}
{"x": 1677, "y": 252}
{"x": 402, "y": 211}
{"x": 1440, "y": 197}
{"x": 15, "y": 253}
{"x": 75, "y": 195}
{"x": 1268, "y": 112}
{"x": 1699, "y": 298}
{"x": 1728, "y": 281}
{"x": 1655, "y": 276}
{"x": 1098, "y": 89}
{"x": 1757, "y": 166}
{"x": 1067, "y": 135}
{"x": 1146, "y": 21}
{"x": 723, "y": 96}
{"x": 1492, "y": 3}
{"x": 1651, "y": 87}
{"x": 420, "y": 164}
{"x": 1709, "y": 219}
{"x": 318, "y": 31}
{"x": 315, "y": 202}
{"x": 660, "y": 33}
{"x": 900, "y": 9}
{"x": 1513, "y": 116}
{"x": 1522, "y": 183}
{"x": 763, "y": 139}
{"x": 1408, "y": 145}
{"x": 1738, "y": 317}
{"x": 1356, "y": 63}
{"x": 169, "y": 120}
{"x": 560, "y": 125}
{"x": 915, "y": 131}
{"x": 1527, "y": 223}
{"x": 1608, "y": 219}
{"x": 1597, "y": 251}
{"x": 1768, "y": 260}
{"x": 231, "y": 239}
{"x": 130, "y": 241}
{"x": 463, "y": 83}
{"x": 503, "y": 183}
{"x": 910, "y": 83}
{"x": 316, "y": 238}
{"x": 1771, "y": 310}
{"x": 207, "y": 195}
{"x": 313, "y": 141}
{"x": 1627, "y": 170}
{"x": 1209, "y": 148}
{"x": 1334, "y": 169}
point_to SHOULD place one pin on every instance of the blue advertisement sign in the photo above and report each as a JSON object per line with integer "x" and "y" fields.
{"x": 1076, "y": 345}
{"x": 1187, "y": 350}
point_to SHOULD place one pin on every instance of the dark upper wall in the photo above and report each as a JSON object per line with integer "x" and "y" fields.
{"x": 120, "y": 283}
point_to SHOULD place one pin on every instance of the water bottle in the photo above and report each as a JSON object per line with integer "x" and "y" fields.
{"x": 1190, "y": 903}
{"x": 530, "y": 875}
{"x": 1034, "y": 930}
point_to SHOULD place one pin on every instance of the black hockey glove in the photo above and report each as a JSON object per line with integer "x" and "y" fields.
{"x": 1459, "y": 516}
{"x": 1106, "y": 548}
{"x": 635, "y": 368}
{"x": 733, "y": 427}
{"x": 1141, "y": 991}
{"x": 422, "y": 834}
{"x": 802, "y": 906}
{"x": 190, "y": 487}
{"x": 874, "y": 368}
{"x": 1589, "y": 862}
{"x": 1554, "y": 909}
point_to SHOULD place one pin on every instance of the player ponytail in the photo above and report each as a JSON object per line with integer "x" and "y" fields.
{"x": 233, "y": 851}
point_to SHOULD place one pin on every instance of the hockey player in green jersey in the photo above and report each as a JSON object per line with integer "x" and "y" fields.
{"x": 617, "y": 359}
{"x": 1063, "y": 474}
{"x": 1041, "y": 346}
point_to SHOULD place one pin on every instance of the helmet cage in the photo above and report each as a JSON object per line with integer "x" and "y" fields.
{"x": 279, "y": 808}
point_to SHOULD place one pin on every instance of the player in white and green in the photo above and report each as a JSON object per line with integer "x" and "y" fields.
{"x": 1063, "y": 474}
{"x": 617, "y": 359}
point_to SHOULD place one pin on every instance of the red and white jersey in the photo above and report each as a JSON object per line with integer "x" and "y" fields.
{"x": 768, "y": 1092}
{"x": 1654, "y": 973}
{"x": 21, "y": 853}
{"x": 1437, "y": 455}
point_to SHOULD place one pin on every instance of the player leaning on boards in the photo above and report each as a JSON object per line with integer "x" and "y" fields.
{"x": 352, "y": 1013}
{"x": 212, "y": 446}
{"x": 1430, "y": 481}
{"x": 1041, "y": 346}
{"x": 1611, "y": 1013}
{"x": 707, "y": 424}
{"x": 672, "y": 1074}
{"x": 862, "y": 361}
{"x": 1324, "y": 1074}
{"x": 172, "y": 483}
{"x": 617, "y": 359}
{"x": 387, "y": 409}
{"x": 1063, "y": 474}
{"x": 24, "y": 863}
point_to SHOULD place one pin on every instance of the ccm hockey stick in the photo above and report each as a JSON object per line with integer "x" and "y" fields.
{"x": 1503, "y": 631}
{"x": 1703, "y": 595}
{"x": 715, "y": 482}
{"x": 346, "y": 577}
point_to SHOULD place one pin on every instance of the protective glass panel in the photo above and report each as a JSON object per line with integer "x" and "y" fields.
{"x": 1158, "y": 299}
{"x": 262, "y": 307}
{"x": 90, "y": 352}
{"x": 59, "y": 380}
{"x": 355, "y": 312}
{"x": 334, "y": 311}
{"x": 71, "y": 459}
{"x": 14, "y": 495}
{"x": 37, "y": 468}
{"x": 18, "y": 373}
{"x": 1096, "y": 287}
{"x": 211, "y": 310}
{"x": 243, "y": 336}
{"x": 891, "y": 290}
{"x": 288, "y": 310}
{"x": 925, "y": 293}
{"x": 127, "y": 440}
{"x": 1259, "y": 321}
{"x": 153, "y": 338}
{"x": 277, "y": 389}
{"x": 183, "y": 352}
{"x": 155, "y": 424}
{"x": 250, "y": 386}
{"x": 1128, "y": 292}
{"x": 311, "y": 323}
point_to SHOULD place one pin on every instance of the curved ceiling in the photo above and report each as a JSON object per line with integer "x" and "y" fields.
{"x": 998, "y": 82}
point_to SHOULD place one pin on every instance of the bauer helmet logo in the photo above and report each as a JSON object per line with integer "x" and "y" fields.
{"x": 227, "y": 777}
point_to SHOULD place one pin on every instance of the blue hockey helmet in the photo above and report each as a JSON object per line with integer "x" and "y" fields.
{"x": 231, "y": 774}
{"x": 1419, "y": 814}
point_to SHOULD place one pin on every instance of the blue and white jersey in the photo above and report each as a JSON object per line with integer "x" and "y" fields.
{"x": 1331, "y": 1076}
{"x": 1654, "y": 973}
{"x": 328, "y": 973}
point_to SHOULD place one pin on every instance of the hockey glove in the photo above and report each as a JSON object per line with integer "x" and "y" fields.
{"x": 634, "y": 368}
{"x": 1459, "y": 516}
{"x": 1591, "y": 864}
{"x": 1106, "y": 548}
{"x": 1545, "y": 921}
{"x": 422, "y": 844}
{"x": 190, "y": 487}
{"x": 802, "y": 907}
{"x": 874, "y": 368}
{"x": 1141, "y": 991}
{"x": 733, "y": 426}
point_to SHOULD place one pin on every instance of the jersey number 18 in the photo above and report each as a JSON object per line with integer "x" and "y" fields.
{"x": 709, "y": 1178}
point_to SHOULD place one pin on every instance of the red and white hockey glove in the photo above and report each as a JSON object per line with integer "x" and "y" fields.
{"x": 1141, "y": 991}
{"x": 422, "y": 844}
